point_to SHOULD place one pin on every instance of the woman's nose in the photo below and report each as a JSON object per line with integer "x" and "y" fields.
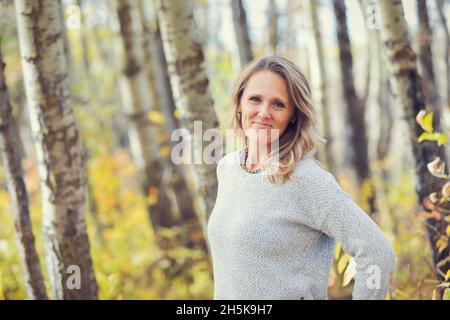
{"x": 264, "y": 110}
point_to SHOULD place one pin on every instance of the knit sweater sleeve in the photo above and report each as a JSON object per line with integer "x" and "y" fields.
{"x": 361, "y": 238}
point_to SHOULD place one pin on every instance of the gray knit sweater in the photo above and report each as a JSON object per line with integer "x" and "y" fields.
{"x": 276, "y": 241}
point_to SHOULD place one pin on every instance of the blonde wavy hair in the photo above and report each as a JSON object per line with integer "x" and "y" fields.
{"x": 301, "y": 138}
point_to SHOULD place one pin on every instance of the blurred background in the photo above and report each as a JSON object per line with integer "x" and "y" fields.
{"x": 98, "y": 93}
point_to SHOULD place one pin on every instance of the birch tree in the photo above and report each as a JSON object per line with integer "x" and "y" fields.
{"x": 138, "y": 102}
{"x": 9, "y": 151}
{"x": 323, "y": 81}
{"x": 369, "y": 61}
{"x": 443, "y": 22}
{"x": 156, "y": 66}
{"x": 58, "y": 148}
{"x": 378, "y": 93}
{"x": 408, "y": 92}
{"x": 273, "y": 26}
{"x": 190, "y": 86}
{"x": 355, "y": 109}
{"x": 431, "y": 95}
{"x": 241, "y": 32}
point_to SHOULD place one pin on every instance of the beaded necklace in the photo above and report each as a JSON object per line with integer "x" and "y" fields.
{"x": 244, "y": 160}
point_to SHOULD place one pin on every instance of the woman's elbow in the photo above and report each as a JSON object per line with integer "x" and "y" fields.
{"x": 385, "y": 256}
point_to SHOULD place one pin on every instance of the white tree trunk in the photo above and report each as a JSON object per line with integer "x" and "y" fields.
{"x": 58, "y": 149}
{"x": 323, "y": 83}
{"x": 189, "y": 83}
{"x": 157, "y": 72}
{"x": 145, "y": 136}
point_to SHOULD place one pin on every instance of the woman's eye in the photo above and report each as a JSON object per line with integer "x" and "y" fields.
{"x": 254, "y": 99}
{"x": 279, "y": 105}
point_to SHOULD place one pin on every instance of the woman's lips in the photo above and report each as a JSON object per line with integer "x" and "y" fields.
{"x": 262, "y": 125}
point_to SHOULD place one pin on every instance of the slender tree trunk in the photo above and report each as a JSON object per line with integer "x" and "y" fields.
{"x": 88, "y": 103}
{"x": 369, "y": 61}
{"x": 443, "y": 21}
{"x": 9, "y": 150}
{"x": 408, "y": 92}
{"x": 154, "y": 51}
{"x": 145, "y": 136}
{"x": 383, "y": 148}
{"x": 108, "y": 57}
{"x": 83, "y": 36}
{"x": 289, "y": 34}
{"x": 426, "y": 61}
{"x": 21, "y": 122}
{"x": 355, "y": 108}
{"x": 273, "y": 26}
{"x": 187, "y": 74}
{"x": 386, "y": 116}
{"x": 159, "y": 79}
{"x": 386, "y": 125}
{"x": 386, "y": 119}
{"x": 160, "y": 82}
{"x": 59, "y": 151}
{"x": 241, "y": 32}
{"x": 323, "y": 80}
{"x": 377, "y": 92}
{"x": 381, "y": 85}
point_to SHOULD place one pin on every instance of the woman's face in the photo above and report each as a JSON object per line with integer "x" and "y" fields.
{"x": 265, "y": 106}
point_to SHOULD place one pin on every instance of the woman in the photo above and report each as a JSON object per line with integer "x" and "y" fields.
{"x": 272, "y": 232}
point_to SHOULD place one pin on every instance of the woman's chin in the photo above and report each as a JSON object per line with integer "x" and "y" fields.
{"x": 262, "y": 140}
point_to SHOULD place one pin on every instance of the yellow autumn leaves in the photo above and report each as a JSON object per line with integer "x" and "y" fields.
{"x": 437, "y": 202}
{"x": 425, "y": 120}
